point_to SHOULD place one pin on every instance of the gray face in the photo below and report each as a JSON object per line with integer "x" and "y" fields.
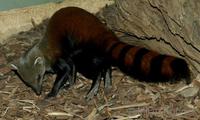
{"x": 32, "y": 74}
{"x": 31, "y": 69}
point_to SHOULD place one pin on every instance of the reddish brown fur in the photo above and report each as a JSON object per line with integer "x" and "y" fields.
{"x": 166, "y": 66}
{"x": 130, "y": 56}
{"x": 146, "y": 62}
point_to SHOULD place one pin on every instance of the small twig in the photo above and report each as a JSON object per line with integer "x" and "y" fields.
{"x": 92, "y": 115}
{"x": 183, "y": 113}
{"x": 106, "y": 107}
{"x": 129, "y": 106}
{"x": 29, "y": 109}
{"x": 4, "y": 113}
{"x": 79, "y": 116}
{"x": 13, "y": 92}
{"x": 129, "y": 117}
{"x": 10, "y": 86}
{"x": 59, "y": 114}
{"x": 103, "y": 106}
{"x": 27, "y": 101}
{"x": 5, "y": 92}
{"x": 95, "y": 111}
{"x": 32, "y": 106}
{"x": 183, "y": 88}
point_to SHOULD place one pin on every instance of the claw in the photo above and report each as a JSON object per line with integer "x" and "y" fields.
{"x": 94, "y": 88}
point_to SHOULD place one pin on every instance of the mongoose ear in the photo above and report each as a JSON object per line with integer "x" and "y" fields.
{"x": 39, "y": 60}
{"x": 14, "y": 65}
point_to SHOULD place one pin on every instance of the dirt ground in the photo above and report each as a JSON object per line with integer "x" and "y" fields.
{"x": 128, "y": 99}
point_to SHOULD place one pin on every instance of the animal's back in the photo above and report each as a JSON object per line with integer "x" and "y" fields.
{"x": 76, "y": 24}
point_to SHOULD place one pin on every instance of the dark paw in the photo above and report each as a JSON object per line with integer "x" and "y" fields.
{"x": 50, "y": 95}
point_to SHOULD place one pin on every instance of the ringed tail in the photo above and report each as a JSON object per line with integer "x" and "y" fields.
{"x": 146, "y": 65}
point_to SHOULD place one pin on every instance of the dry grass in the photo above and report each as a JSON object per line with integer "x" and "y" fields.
{"x": 128, "y": 98}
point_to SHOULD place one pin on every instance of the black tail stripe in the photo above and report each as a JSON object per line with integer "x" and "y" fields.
{"x": 136, "y": 68}
{"x": 123, "y": 53}
{"x": 155, "y": 69}
{"x": 180, "y": 68}
{"x": 113, "y": 47}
